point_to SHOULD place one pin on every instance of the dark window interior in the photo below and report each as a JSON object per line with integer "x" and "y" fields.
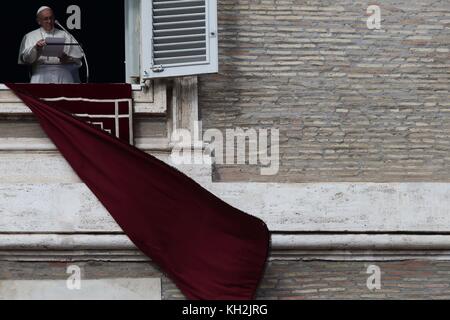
{"x": 102, "y": 36}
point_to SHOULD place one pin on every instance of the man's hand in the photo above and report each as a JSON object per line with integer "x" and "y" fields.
{"x": 65, "y": 59}
{"x": 40, "y": 44}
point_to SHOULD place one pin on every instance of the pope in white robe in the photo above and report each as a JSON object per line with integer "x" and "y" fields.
{"x": 46, "y": 69}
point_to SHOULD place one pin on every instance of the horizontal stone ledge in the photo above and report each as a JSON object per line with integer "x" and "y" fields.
{"x": 148, "y": 101}
{"x": 286, "y": 208}
{"x": 70, "y": 256}
{"x": 16, "y": 108}
{"x": 44, "y": 144}
{"x": 136, "y": 87}
{"x": 91, "y": 289}
{"x": 50, "y": 167}
{"x": 64, "y": 242}
{"x": 312, "y": 242}
{"x": 362, "y": 242}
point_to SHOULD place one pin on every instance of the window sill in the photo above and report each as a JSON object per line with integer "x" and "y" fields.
{"x": 136, "y": 87}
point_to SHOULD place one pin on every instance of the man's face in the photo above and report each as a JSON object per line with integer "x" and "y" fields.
{"x": 46, "y": 20}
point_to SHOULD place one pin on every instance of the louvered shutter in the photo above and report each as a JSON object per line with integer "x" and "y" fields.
{"x": 179, "y": 38}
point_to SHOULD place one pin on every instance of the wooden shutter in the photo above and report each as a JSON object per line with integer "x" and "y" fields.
{"x": 179, "y": 38}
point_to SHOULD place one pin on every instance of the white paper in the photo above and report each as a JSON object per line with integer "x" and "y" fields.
{"x": 54, "y": 47}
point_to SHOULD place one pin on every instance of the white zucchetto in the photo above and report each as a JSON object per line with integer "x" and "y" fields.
{"x": 42, "y": 9}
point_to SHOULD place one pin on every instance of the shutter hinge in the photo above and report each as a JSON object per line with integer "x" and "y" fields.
{"x": 158, "y": 68}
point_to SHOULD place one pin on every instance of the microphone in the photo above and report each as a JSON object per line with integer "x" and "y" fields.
{"x": 81, "y": 48}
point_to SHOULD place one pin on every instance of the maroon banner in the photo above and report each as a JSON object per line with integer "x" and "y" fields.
{"x": 208, "y": 248}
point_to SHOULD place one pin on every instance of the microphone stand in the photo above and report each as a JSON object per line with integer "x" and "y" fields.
{"x": 77, "y": 43}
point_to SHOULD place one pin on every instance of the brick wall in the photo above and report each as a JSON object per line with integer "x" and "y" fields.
{"x": 352, "y": 104}
{"x": 283, "y": 279}
{"x": 348, "y": 280}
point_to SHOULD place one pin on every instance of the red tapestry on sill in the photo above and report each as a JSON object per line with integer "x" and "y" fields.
{"x": 108, "y": 107}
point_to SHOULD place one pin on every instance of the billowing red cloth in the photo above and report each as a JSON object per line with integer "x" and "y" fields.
{"x": 209, "y": 249}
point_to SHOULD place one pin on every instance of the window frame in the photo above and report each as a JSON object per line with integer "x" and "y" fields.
{"x": 138, "y": 48}
{"x": 132, "y": 41}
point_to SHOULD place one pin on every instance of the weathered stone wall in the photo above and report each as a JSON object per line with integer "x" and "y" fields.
{"x": 348, "y": 280}
{"x": 283, "y": 279}
{"x": 352, "y": 104}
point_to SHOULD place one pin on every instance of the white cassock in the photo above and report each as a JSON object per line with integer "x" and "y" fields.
{"x": 50, "y": 69}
